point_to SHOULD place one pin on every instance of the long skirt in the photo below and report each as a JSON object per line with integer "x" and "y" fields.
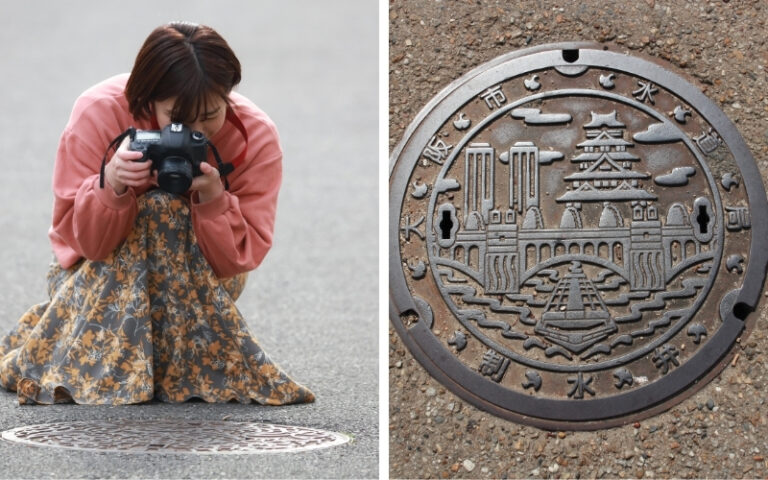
{"x": 151, "y": 321}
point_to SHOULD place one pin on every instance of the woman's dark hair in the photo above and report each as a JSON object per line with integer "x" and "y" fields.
{"x": 183, "y": 60}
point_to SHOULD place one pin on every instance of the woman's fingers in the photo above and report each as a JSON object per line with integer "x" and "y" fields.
{"x": 124, "y": 170}
{"x": 125, "y": 153}
{"x": 133, "y": 175}
{"x": 208, "y": 185}
{"x": 129, "y": 165}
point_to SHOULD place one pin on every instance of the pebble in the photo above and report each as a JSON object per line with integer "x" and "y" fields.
{"x": 515, "y": 33}
{"x": 710, "y": 404}
{"x": 468, "y": 465}
{"x": 431, "y": 392}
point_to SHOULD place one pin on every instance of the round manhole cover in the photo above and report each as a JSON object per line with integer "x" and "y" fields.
{"x": 571, "y": 237}
{"x": 168, "y": 436}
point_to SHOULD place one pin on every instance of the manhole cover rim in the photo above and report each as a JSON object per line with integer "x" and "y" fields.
{"x": 11, "y": 436}
{"x": 452, "y": 373}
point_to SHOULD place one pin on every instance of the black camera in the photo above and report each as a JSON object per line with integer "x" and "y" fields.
{"x": 176, "y": 153}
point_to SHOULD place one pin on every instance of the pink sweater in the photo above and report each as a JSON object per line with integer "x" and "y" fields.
{"x": 234, "y": 230}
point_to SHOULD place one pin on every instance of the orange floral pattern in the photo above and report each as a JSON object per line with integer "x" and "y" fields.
{"x": 150, "y": 321}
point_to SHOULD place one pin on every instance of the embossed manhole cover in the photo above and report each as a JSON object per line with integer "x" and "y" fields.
{"x": 571, "y": 237}
{"x": 168, "y": 436}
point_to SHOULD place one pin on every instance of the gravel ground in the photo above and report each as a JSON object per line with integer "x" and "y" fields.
{"x": 721, "y": 431}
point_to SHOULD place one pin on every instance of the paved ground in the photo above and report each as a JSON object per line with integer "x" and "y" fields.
{"x": 721, "y": 431}
{"x": 312, "y": 304}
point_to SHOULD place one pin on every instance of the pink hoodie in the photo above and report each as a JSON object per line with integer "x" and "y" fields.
{"x": 234, "y": 230}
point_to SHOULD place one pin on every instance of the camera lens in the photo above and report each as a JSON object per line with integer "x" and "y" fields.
{"x": 174, "y": 174}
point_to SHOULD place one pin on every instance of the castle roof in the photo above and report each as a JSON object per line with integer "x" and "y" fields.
{"x": 623, "y": 193}
{"x": 600, "y": 120}
{"x": 604, "y": 139}
{"x": 593, "y": 156}
{"x": 598, "y": 170}
{"x": 607, "y": 175}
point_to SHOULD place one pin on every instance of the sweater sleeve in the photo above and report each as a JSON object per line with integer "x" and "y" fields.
{"x": 235, "y": 229}
{"x": 91, "y": 220}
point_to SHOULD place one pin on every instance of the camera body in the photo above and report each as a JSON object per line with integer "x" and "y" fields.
{"x": 176, "y": 153}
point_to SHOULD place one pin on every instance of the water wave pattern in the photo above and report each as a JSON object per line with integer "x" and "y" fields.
{"x": 690, "y": 287}
{"x": 469, "y": 295}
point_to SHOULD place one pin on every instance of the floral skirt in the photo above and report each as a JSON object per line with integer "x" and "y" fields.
{"x": 151, "y": 321}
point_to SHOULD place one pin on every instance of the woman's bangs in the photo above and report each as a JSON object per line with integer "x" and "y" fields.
{"x": 192, "y": 103}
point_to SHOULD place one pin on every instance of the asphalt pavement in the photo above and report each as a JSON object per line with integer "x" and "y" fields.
{"x": 312, "y": 66}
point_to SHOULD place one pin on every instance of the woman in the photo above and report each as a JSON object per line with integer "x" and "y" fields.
{"x": 143, "y": 284}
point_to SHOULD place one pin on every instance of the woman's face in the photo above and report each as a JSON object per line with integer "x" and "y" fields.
{"x": 208, "y": 122}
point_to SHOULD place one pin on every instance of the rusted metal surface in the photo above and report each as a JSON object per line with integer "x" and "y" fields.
{"x": 170, "y": 436}
{"x": 572, "y": 237}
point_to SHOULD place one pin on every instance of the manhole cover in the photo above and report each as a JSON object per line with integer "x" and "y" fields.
{"x": 168, "y": 436}
{"x": 571, "y": 237}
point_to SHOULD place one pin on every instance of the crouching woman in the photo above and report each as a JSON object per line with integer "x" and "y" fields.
{"x": 143, "y": 287}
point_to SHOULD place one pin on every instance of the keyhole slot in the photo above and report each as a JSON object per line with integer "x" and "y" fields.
{"x": 570, "y": 56}
{"x": 446, "y": 225}
{"x": 703, "y": 219}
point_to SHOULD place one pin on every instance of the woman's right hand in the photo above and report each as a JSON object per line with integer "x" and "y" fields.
{"x": 123, "y": 171}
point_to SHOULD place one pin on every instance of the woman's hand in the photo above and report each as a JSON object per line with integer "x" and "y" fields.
{"x": 208, "y": 185}
{"x": 124, "y": 171}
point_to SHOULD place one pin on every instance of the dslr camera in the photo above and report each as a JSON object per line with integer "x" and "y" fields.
{"x": 176, "y": 153}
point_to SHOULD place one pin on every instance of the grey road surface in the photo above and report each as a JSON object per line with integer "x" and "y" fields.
{"x": 312, "y": 66}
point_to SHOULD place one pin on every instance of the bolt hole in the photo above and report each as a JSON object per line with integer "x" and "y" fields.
{"x": 446, "y": 225}
{"x": 703, "y": 219}
{"x": 741, "y": 310}
{"x": 570, "y": 56}
{"x": 409, "y": 318}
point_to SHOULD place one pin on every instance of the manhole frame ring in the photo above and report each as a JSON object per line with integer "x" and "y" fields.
{"x": 9, "y": 436}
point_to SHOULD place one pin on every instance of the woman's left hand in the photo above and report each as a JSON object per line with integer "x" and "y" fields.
{"x": 208, "y": 185}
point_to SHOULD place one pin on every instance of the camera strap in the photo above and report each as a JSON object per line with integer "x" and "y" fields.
{"x": 114, "y": 144}
{"x": 224, "y": 168}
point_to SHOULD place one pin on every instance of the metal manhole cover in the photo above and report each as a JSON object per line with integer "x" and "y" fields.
{"x": 571, "y": 237}
{"x": 168, "y": 436}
